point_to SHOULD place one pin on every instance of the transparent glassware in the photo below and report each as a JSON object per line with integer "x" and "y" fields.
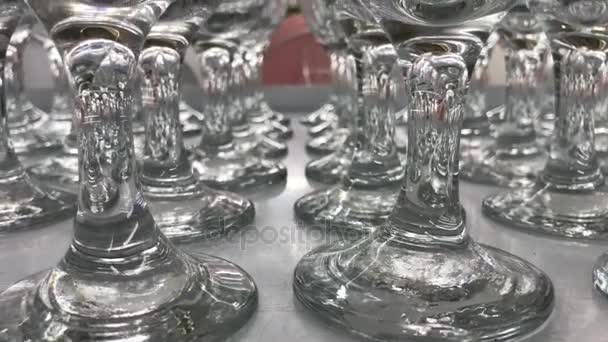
{"x": 24, "y": 204}
{"x": 59, "y": 171}
{"x": 516, "y": 154}
{"x": 164, "y": 293}
{"x": 219, "y": 161}
{"x": 600, "y": 274}
{"x": 183, "y": 207}
{"x": 420, "y": 277}
{"x": 569, "y": 197}
{"x": 246, "y": 138}
{"x": 26, "y": 122}
{"x": 368, "y": 183}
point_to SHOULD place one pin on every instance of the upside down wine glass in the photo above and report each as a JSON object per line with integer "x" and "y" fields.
{"x": 516, "y": 154}
{"x": 121, "y": 279}
{"x": 569, "y": 198}
{"x": 183, "y": 206}
{"x": 23, "y": 203}
{"x": 368, "y": 159}
{"x": 420, "y": 276}
{"x": 28, "y": 124}
{"x": 219, "y": 161}
{"x": 367, "y": 187}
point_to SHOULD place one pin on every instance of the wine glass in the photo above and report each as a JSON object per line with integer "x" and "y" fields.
{"x": 516, "y": 154}
{"x": 121, "y": 279}
{"x": 368, "y": 169}
{"x": 420, "y": 276}
{"x": 28, "y": 124}
{"x": 569, "y": 197}
{"x": 183, "y": 207}
{"x": 23, "y": 204}
{"x": 219, "y": 161}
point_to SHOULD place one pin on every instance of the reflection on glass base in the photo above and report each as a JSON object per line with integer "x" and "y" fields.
{"x": 600, "y": 274}
{"x": 190, "y": 118}
{"x": 504, "y": 168}
{"x": 59, "y": 172}
{"x": 33, "y": 133}
{"x": 329, "y": 169}
{"x": 385, "y": 289}
{"x": 261, "y": 145}
{"x": 196, "y": 212}
{"x": 272, "y": 129}
{"x": 24, "y": 204}
{"x": 324, "y": 128}
{"x": 192, "y": 297}
{"x": 229, "y": 169}
{"x": 540, "y": 209}
{"x": 328, "y": 143}
{"x": 347, "y": 210}
{"x": 267, "y": 111}
{"x": 325, "y": 113}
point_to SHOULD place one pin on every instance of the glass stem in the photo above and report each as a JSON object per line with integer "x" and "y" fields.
{"x": 16, "y": 99}
{"x": 573, "y": 163}
{"x": 164, "y": 156}
{"x": 343, "y": 74}
{"x": 215, "y": 75}
{"x": 516, "y": 135}
{"x": 428, "y": 210}
{"x": 62, "y": 106}
{"x": 112, "y": 221}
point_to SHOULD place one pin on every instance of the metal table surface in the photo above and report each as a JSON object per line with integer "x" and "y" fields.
{"x": 270, "y": 249}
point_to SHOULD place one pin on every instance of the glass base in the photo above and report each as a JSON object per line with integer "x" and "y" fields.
{"x": 540, "y": 209}
{"x": 322, "y": 129}
{"x": 600, "y": 274}
{"x": 35, "y": 132}
{"x": 325, "y": 113}
{"x": 196, "y": 212}
{"x": 274, "y": 115}
{"x": 191, "y": 298}
{"x": 272, "y": 129}
{"x": 229, "y": 169}
{"x": 190, "y": 118}
{"x": 25, "y": 204}
{"x": 261, "y": 145}
{"x": 384, "y": 289}
{"x": 328, "y": 143}
{"x": 329, "y": 169}
{"x": 59, "y": 172}
{"x": 503, "y": 168}
{"x": 347, "y": 210}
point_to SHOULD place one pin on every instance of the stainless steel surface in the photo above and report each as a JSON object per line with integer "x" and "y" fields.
{"x": 270, "y": 249}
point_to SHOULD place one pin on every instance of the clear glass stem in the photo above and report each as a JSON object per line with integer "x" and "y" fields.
{"x": 112, "y": 220}
{"x": 62, "y": 107}
{"x": 516, "y": 135}
{"x": 161, "y": 92}
{"x": 215, "y": 76}
{"x": 344, "y": 78}
{"x": 428, "y": 209}
{"x": 573, "y": 164}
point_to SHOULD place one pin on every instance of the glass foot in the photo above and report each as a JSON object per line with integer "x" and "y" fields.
{"x": 24, "y": 204}
{"x": 503, "y": 168}
{"x": 384, "y": 289}
{"x": 274, "y": 115}
{"x": 186, "y": 299}
{"x": 272, "y": 129}
{"x": 600, "y": 274}
{"x": 347, "y": 209}
{"x": 190, "y": 119}
{"x": 192, "y": 212}
{"x": 325, "y": 113}
{"x": 261, "y": 145}
{"x": 328, "y": 143}
{"x": 323, "y": 128}
{"x": 59, "y": 172}
{"x": 229, "y": 169}
{"x": 329, "y": 169}
{"x": 540, "y": 209}
{"x": 34, "y": 133}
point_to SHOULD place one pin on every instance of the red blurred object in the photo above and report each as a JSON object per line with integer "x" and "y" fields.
{"x": 294, "y": 57}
